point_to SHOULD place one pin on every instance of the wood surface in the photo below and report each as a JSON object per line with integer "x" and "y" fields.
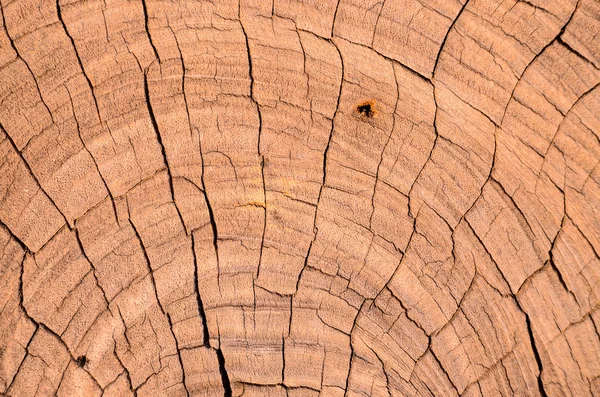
{"x": 300, "y": 198}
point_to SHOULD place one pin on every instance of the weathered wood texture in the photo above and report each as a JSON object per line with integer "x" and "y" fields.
{"x": 300, "y": 198}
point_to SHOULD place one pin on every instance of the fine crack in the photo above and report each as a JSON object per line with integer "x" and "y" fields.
{"x": 325, "y": 152}
{"x": 558, "y": 39}
{"x": 60, "y": 18}
{"x": 39, "y": 185}
{"x": 12, "y": 44}
{"x": 160, "y": 305}
{"x": 262, "y": 157}
{"x": 205, "y": 334}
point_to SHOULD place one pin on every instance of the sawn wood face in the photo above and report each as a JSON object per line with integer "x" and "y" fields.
{"x": 300, "y": 198}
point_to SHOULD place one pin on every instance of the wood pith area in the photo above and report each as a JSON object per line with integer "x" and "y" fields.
{"x": 290, "y": 198}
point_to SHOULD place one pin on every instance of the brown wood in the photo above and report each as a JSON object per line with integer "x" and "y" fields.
{"x": 300, "y": 198}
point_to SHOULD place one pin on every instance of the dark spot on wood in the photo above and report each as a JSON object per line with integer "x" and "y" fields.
{"x": 366, "y": 109}
{"x": 81, "y": 360}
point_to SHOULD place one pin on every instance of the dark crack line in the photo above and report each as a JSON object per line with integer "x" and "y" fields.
{"x": 488, "y": 179}
{"x": 147, "y": 259}
{"x": 152, "y": 279}
{"x": 337, "y": 6}
{"x": 17, "y": 239}
{"x": 72, "y": 358}
{"x": 264, "y": 232}
{"x": 183, "y": 379}
{"x": 13, "y": 46}
{"x": 26, "y": 164}
{"x": 536, "y": 353}
{"x": 552, "y": 262}
{"x": 437, "y": 136}
{"x": 527, "y": 319}
{"x": 90, "y": 85}
{"x": 22, "y": 307}
{"x": 125, "y": 370}
{"x": 224, "y": 375}
{"x": 325, "y": 152}
{"x": 211, "y": 214}
{"x": 43, "y": 325}
{"x": 201, "y": 312}
{"x": 27, "y": 354}
{"x": 354, "y": 324}
{"x": 552, "y": 143}
{"x": 206, "y": 336}
{"x": 112, "y": 200}
{"x": 283, "y": 358}
{"x": 437, "y": 360}
{"x": 437, "y": 58}
{"x": 162, "y": 146}
{"x": 145, "y": 8}
{"x": 383, "y": 150}
{"x": 49, "y": 112}
{"x": 556, "y": 39}
{"x": 574, "y": 51}
{"x": 387, "y": 58}
{"x": 377, "y": 23}
{"x": 514, "y": 203}
{"x": 94, "y": 272}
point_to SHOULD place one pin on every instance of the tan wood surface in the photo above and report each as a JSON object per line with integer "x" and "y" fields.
{"x": 290, "y": 198}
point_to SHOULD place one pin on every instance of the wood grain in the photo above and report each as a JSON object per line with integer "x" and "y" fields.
{"x": 300, "y": 198}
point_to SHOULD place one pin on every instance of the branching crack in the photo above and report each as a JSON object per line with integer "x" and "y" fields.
{"x": 152, "y": 279}
{"x": 325, "y": 152}
{"x": 557, "y": 38}
{"x": 13, "y": 46}
{"x": 90, "y": 85}
{"x": 206, "y": 335}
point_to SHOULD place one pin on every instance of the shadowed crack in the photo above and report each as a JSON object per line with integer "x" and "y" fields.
{"x": 145, "y": 8}
{"x": 160, "y": 142}
{"x": 206, "y": 337}
{"x": 224, "y": 375}
{"x": 536, "y": 353}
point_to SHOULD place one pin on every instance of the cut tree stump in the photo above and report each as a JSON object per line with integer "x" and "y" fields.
{"x": 300, "y": 198}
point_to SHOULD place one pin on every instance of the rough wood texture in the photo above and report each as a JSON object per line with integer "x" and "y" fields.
{"x": 300, "y": 198}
